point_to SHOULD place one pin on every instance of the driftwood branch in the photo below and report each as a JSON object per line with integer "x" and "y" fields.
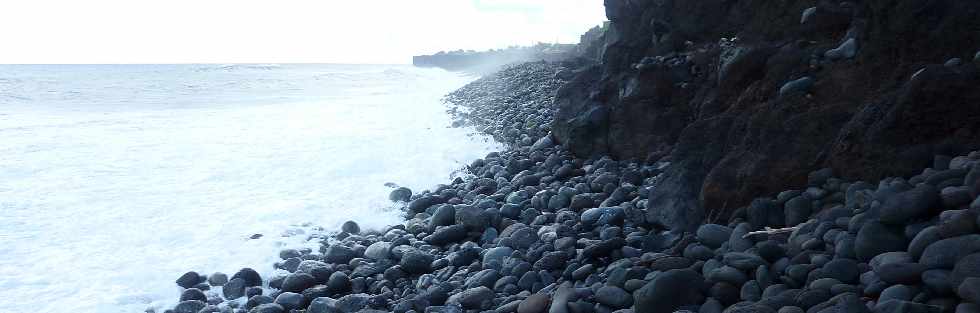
{"x": 772, "y": 231}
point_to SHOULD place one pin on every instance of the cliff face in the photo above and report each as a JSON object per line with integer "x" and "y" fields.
{"x": 745, "y": 97}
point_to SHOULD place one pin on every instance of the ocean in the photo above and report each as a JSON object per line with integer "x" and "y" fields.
{"x": 117, "y": 179}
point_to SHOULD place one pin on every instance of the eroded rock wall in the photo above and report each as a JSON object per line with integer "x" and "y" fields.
{"x": 745, "y": 97}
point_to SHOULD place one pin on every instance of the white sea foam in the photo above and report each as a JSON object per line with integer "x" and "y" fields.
{"x": 114, "y": 180}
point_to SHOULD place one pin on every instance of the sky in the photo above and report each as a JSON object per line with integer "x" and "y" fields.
{"x": 279, "y": 31}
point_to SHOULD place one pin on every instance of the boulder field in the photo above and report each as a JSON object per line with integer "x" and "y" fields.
{"x": 534, "y": 229}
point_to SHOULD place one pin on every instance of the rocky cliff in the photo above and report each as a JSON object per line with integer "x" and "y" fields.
{"x": 745, "y": 97}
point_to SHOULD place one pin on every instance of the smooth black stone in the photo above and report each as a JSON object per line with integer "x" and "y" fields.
{"x": 189, "y": 279}
{"x": 400, "y": 194}
{"x": 234, "y": 289}
{"x": 898, "y": 306}
{"x": 668, "y": 291}
{"x": 338, "y": 282}
{"x": 218, "y": 279}
{"x": 447, "y": 235}
{"x": 875, "y": 238}
{"x": 902, "y": 207}
{"x": 257, "y": 300}
{"x": 614, "y": 297}
{"x": 339, "y": 254}
{"x": 249, "y": 276}
{"x": 350, "y": 227}
{"x": 193, "y": 294}
{"x": 844, "y": 270}
{"x": 297, "y": 282}
{"x": 415, "y": 261}
{"x": 268, "y": 308}
{"x": 473, "y": 298}
{"x": 190, "y": 306}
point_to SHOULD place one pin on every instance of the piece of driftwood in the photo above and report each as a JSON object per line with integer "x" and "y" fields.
{"x": 772, "y": 231}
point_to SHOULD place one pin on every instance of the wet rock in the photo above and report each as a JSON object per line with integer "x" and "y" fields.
{"x": 189, "y": 279}
{"x": 249, "y": 276}
{"x": 234, "y": 289}
{"x": 189, "y": 306}
{"x": 400, "y": 194}
{"x": 218, "y": 279}
{"x": 297, "y": 282}
{"x": 421, "y": 204}
{"x": 193, "y": 294}
{"x": 378, "y": 251}
{"x": 338, "y": 254}
{"x": 290, "y": 301}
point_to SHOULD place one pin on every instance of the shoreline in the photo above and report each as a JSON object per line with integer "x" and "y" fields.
{"x": 534, "y": 229}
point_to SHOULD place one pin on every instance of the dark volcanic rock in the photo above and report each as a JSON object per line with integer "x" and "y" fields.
{"x": 297, "y": 282}
{"x": 400, "y": 194}
{"x": 668, "y": 291}
{"x": 944, "y": 253}
{"x": 339, "y": 254}
{"x": 218, "y": 279}
{"x": 876, "y": 238}
{"x": 189, "y": 279}
{"x": 189, "y": 306}
{"x": 536, "y": 303}
{"x": 193, "y": 294}
{"x": 249, "y": 276}
{"x": 474, "y": 298}
{"x": 350, "y": 227}
{"x": 446, "y": 235}
{"x": 234, "y": 289}
{"x": 667, "y": 84}
{"x": 416, "y": 262}
{"x": 614, "y": 297}
{"x": 899, "y": 208}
